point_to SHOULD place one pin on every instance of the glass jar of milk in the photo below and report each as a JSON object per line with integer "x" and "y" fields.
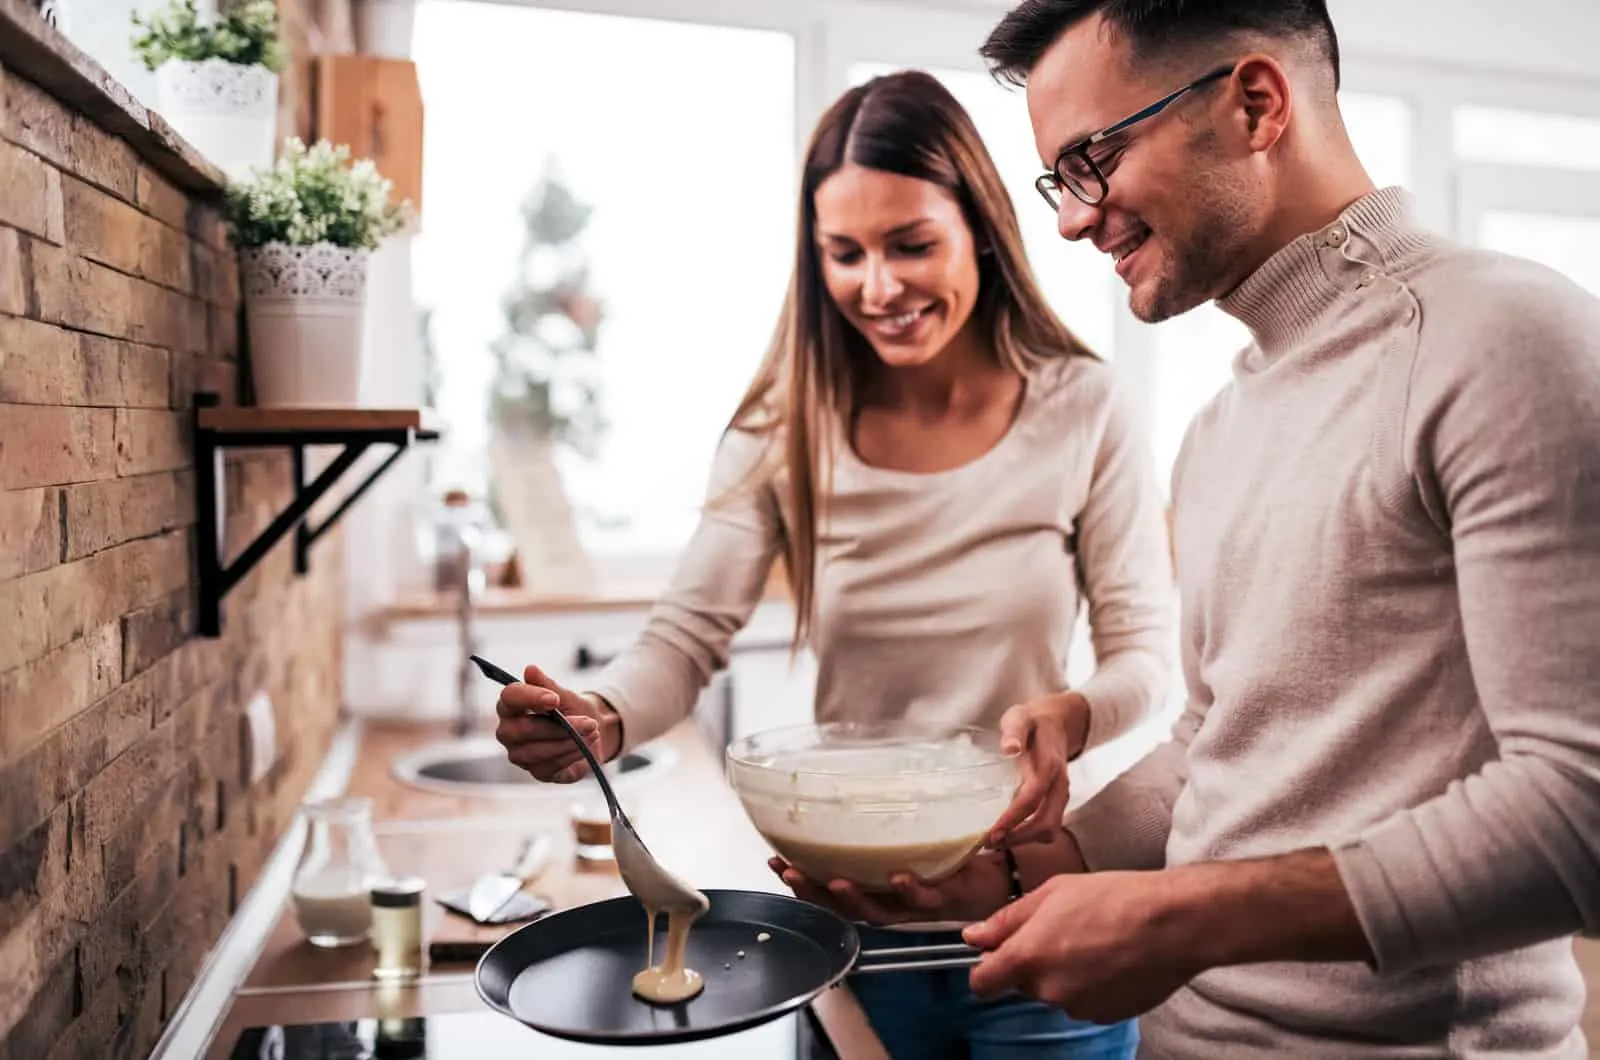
{"x": 338, "y": 866}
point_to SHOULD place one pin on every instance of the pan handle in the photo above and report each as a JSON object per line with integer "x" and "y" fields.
{"x": 916, "y": 958}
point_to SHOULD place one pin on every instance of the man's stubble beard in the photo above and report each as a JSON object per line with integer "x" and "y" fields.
{"x": 1199, "y": 270}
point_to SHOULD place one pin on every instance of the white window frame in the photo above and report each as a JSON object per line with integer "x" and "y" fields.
{"x": 1484, "y": 189}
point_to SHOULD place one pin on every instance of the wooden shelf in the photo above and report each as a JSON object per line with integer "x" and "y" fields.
{"x": 217, "y": 429}
{"x": 247, "y": 420}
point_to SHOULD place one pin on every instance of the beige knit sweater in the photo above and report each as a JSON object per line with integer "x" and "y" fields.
{"x": 942, "y": 597}
{"x": 1388, "y": 548}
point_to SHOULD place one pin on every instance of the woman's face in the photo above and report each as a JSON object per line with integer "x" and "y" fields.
{"x": 898, "y": 259}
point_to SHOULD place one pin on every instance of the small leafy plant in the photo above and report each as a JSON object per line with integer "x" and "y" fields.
{"x": 245, "y": 32}
{"x": 314, "y": 195}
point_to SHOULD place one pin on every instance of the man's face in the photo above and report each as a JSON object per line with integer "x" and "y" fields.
{"x": 1179, "y": 212}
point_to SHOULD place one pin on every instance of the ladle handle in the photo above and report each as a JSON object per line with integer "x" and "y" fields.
{"x": 494, "y": 673}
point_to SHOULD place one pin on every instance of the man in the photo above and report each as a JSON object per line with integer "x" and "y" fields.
{"x": 1376, "y": 827}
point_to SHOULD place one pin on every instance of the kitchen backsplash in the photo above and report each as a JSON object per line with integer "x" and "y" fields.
{"x": 128, "y": 828}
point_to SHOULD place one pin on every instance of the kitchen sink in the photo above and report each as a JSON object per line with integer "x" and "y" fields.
{"x": 478, "y": 766}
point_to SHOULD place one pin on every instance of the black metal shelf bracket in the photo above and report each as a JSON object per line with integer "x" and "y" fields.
{"x": 217, "y": 577}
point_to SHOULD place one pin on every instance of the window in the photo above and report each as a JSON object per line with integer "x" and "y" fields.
{"x": 1078, "y": 280}
{"x": 1564, "y": 243}
{"x": 687, "y": 165}
{"x": 1528, "y": 138}
{"x": 105, "y": 32}
{"x": 1193, "y": 360}
{"x": 1380, "y": 131}
{"x": 1545, "y": 206}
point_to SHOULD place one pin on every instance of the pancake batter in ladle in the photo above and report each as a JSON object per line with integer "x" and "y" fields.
{"x": 658, "y": 890}
{"x": 669, "y": 982}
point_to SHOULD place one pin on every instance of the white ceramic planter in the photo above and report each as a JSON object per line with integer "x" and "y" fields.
{"x": 304, "y": 309}
{"x": 383, "y": 27}
{"x": 228, "y": 111}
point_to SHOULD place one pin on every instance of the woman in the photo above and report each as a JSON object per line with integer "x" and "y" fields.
{"x": 943, "y": 468}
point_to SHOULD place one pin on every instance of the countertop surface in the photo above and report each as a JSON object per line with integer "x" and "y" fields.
{"x": 691, "y": 819}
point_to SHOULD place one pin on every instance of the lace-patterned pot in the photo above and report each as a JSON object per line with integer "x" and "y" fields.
{"x": 304, "y": 310}
{"x": 226, "y": 110}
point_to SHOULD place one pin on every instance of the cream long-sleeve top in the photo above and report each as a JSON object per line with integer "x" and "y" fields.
{"x": 1388, "y": 553}
{"x": 941, "y": 597}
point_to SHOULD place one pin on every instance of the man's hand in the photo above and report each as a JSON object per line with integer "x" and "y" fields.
{"x": 1101, "y": 946}
{"x": 977, "y": 889}
{"x": 1108, "y": 946}
{"x": 1048, "y": 732}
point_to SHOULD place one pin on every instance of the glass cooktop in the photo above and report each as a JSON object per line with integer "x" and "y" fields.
{"x": 489, "y": 1035}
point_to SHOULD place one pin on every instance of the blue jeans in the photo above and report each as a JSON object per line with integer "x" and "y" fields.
{"x": 935, "y": 1016}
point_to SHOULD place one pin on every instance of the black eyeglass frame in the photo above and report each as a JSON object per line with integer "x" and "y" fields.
{"x": 1049, "y": 184}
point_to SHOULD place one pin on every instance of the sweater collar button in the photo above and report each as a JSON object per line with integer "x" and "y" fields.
{"x": 1336, "y": 236}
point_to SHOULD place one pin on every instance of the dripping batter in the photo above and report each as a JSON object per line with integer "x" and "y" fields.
{"x": 671, "y": 981}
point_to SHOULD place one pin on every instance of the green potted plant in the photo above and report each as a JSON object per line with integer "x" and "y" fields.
{"x": 305, "y": 229}
{"x": 217, "y": 78}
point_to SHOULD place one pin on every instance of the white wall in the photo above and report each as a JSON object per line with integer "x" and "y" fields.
{"x": 1548, "y": 38}
{"x": 380, "y": 528}
{"x": 103, "y": 29}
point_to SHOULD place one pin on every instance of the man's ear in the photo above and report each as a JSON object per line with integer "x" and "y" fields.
{"x": 1264, "y": 99}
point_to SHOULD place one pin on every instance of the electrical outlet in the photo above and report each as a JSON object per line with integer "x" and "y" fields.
{"x": 261, "y": 747}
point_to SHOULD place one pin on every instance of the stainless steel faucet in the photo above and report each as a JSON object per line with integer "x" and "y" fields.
{"x": 469, "y": 582}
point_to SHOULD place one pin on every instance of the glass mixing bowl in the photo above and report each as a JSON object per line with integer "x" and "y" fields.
{"x": 863, "y": 802}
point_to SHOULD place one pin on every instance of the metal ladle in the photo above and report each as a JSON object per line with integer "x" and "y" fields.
{"x": 654, "y": 886}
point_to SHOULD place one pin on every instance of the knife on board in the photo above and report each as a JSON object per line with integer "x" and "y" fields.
{"x": 493, "y": 890}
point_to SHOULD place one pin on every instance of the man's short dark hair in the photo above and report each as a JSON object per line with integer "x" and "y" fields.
{"x": 1154, "y": 28}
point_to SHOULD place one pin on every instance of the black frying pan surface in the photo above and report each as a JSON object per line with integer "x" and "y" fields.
{"x": 571, "y": 973}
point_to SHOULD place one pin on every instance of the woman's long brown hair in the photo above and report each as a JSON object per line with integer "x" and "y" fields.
{"x": 805, "y": 392}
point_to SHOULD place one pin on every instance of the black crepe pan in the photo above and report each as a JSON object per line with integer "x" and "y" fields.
{"x": 570, "y": 974}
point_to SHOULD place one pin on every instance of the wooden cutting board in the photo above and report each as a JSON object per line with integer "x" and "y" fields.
{"x": 565, "y": 881}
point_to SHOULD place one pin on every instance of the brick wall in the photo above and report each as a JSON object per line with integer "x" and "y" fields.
{"x": 128, "y": 828}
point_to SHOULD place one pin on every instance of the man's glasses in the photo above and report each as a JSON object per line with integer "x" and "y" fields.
{"x": 1078, "y": 172}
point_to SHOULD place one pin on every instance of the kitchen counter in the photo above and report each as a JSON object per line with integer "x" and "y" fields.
{"x": 690, "y": 818}
{"x": 503, "y": 601}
